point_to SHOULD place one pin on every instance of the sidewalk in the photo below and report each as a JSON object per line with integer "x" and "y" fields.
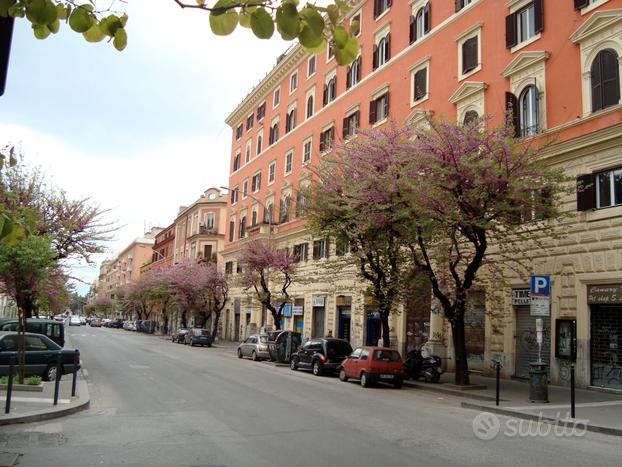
{"x": 601, "y": 411}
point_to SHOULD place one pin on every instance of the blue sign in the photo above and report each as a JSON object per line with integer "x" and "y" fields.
{"x": 540, "y": 286}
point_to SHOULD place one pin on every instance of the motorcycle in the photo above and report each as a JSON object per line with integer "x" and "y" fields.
{"x": 418, "y": 366}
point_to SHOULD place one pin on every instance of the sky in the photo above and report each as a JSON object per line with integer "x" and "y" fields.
{"x": 141, "y": 131}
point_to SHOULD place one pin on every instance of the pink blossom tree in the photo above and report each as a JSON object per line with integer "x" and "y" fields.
{"x": 269, "y": 272}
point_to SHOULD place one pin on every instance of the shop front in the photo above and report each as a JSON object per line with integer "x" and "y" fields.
{"x": 605, "y": 302}
{"x": 527, "y": 349}
{"x": 298, "y": 313}
{"x": 319, "y": 316}
{"x": 344, "y": 316}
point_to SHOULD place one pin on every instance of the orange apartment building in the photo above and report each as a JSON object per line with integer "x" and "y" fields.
{"x": 554, "y": 66}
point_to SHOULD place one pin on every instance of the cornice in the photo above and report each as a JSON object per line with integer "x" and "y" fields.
{"x": 467, "y": 89}
{"x": 598, "y": 21}
{"x": 524, "y": 60}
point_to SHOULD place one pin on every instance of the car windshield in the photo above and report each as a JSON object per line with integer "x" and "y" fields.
{"x": 387, "y": 355}
{"x": 200, "y": 332}
{"x": 338, "y": 349}
{"x": 263, "y": 339}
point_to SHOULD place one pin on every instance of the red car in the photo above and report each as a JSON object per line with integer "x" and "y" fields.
{"x": 373, "y": 364}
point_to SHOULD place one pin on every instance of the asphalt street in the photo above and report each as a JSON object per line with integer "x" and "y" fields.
{"x": 157, "y": 403}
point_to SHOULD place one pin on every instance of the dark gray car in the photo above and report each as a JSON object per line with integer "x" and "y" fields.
{"x": 255, "y": 347}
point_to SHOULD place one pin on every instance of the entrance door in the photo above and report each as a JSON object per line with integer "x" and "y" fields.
{"x": 374, "y": 329}
{"x": 236, "y": 327}
{"x": 527, "y": 343}
{"x": 605, "y": 343}
{"x": 318, "y": 322}
{"x": 474, "y": 320}
{"x": 344, "y": 322}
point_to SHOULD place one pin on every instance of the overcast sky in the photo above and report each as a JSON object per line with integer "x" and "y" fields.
{"x": 140, "y": 131}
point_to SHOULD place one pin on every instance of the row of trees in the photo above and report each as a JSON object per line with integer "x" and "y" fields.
{"x": 186, "y": 289}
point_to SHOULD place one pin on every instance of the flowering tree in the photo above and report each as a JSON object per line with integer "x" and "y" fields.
{"x": 355, "y": 200}
{"x": 135, "y": 297}
{"x": 160, "y": 294}
{"x": 269, "y": 272}
{"x": 216, "y": 292}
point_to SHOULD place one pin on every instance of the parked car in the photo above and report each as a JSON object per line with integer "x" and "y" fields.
{"x": 129, "y": 325}
{"x": 74, "y": 321}
{"x": 321, "y": 355}
{"x": 180, "y": 335}
{"x": 373, "y": 364}
{"x": 41, "y": 355}
{"x": 283, "y": 344}
{"x": 96, "y": 323}
{"x": 197, "y": 336}
{"x": 115, "y": 323}
{"x": 49, "y": 328}
{"x": 255, "y": 347}
{"x": 82, "y": 320}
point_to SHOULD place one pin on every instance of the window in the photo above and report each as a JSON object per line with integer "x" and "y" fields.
{"x": 242, "y": 230}
{"x": 524, "y": 111}
{"x": 274, "y": 132}
{"x": 293, "y": 82}
{"x": 259, "y": 141}
{"x": 470, "y": 58}
{"x": 420, "y": 23}
{"x": 245, "y": 189}
{"x": 609, "y": 188}
{"x": 300, "y": 204}
{"x": 209, "y": 221}
{"x": 238, "y": 131}
{"x": 290, "y": 120}
{"x": 229, "y": 267}
{"x": 382, "y": 50}
{"x": 277, "y": 98}
{"x": 311, "y": 66}
{"x": 284, "y": 209}
{"x": 330, "y": 89}
{"x": 256, "y": 182}
{"x": 247, "y": 153}
{"x": 231, "y": 229}
{"x": 326, "y": 139}
{"x": 380, "y": 6}
{"x": 460, "y": 4}
{"x": 320, "y": 248}
{"x": 379, "y": 108}
{"x": 524, "y": 23}
{"x": 288, "y": 162}
{"x": 420, "y": 84}
{"x": 351, "y": 124}
{"x": 249, "y": 121}
{"x": 330, "y": 52}
{"x": 254, "y": 218}
{"x": 271, "y": 171}
{"x": 469, "y": 117}
{"x": 236, "y": 161}
{"x": 343, "y": 246}
{"x": 261, "y": 112}
{"x": 355, "y": 24}
{"x": 306, "y": 151}
{"x": 301, "y": 252}
{"x": 605, "y": 80}
{"x": 268, "y": 214}
{"x": 234, "y": 195}
{"x": 309, "y": 112}
{"x": 353, "y": 73}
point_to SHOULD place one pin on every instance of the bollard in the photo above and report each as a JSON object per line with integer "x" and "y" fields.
{"x": 76, "y": 362}
{"x": 58, "y": 376}
{"x": 498, "y": 365}
{"x": 572, "y": 400}
{"x": 9, "y": 386}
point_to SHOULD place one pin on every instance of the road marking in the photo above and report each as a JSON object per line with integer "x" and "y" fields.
{"x": 140, "y": 367}
{"x": 38, "y": 400}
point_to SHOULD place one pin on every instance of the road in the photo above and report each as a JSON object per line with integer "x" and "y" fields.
{"x": 155, "y": 403}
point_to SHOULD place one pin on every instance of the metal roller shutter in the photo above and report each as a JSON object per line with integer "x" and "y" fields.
{"x": 526, "y": 343}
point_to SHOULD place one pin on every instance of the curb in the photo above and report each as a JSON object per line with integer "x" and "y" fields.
{"x": 45, "y": 415}
{"x": 541, "y": 418}
{"x": 450, "y": 392}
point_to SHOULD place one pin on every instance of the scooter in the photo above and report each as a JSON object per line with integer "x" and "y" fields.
{"x": 418, "y": 366}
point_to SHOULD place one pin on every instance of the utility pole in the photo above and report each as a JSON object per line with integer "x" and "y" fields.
{"x": 6, "y": 34}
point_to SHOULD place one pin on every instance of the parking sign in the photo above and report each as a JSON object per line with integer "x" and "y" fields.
{"x": 540, "y": 295}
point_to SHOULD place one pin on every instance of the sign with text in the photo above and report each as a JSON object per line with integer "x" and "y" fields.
{"x": 540, "y": 295}
{"x": 319, "y": 300}
{"x": 520, "y": 297}
{"x": 604, "y": 294}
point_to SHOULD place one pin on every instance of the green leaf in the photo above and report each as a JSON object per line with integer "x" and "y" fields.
{"x": 223, "y": 24}
{"x": 40, "y": 12}
{"x": 17, "y": 11}
{"x": 123, "y": 19}
{"x": 262, "y": 24}
{"x": 81, "y": 19}
{"x": 287, "y": 21}
{"x": 41, "y": 31}
{"x": 4, "y": 7}
{"x": 245, "y": 17}
{"x": 349, "y": 52}
{"x": 333, "y": 13}
{"x": 62, "y": 11}
{"x": 314, "y": 20}
{"x": 109, "y": 25}
{"x": 54, "y": 27}
{"x": 120, "y": 39}
{"x": 340, "y": 35}
{"x": 94, "y": 34}
{"x": 310, "y": 40}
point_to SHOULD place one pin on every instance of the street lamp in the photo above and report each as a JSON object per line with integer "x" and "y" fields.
{"x": 261, "y": 204}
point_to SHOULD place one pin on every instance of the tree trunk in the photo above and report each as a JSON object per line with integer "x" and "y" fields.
{"x": 386, "y": 336}
{"x": 215, "y": 327}
{"x": 183, "y": 320}
{"x": 460, "y": 352}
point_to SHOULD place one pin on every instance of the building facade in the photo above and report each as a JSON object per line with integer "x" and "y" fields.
{"x": 555, "y": 70}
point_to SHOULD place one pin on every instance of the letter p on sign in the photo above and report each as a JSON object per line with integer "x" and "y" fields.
{"x": 541, "y": 285}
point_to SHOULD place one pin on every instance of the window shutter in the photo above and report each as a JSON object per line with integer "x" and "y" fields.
{"x": 325, "y": 96}
{"x": 459, "y": 5}
{"x": 344, "y": 132}
{"x": 276, "y": 132}
{"x": 376, "y": 8}
{"x": 469, "y": 54}
{"x": 334, "y": 81}
{"x": 538, "y": 14}
{"x": 387, "y": 47}
{"x": 375, "y": 59}
{"x": 358, "y": 69}
{"x": 293, "y": 125}
{"x": 586, "y": 192}
{"x": 596, "y": 83}
{"x": 357, "y": 121}
{"x": 372, "y": 112}
{"x": 610, "y": 78}
{"x": 389, "y": 3}
{"x": 426, "y": 17}
{"x": 578, "y": 4}
{"x": 511, "y": 108}
{"x": 412, "y": 34}
{"x": 386, "y": 105}
{"x": 348, "y": 79}
{"x": 510, "y": 30}
{"x": 420, "y": 84}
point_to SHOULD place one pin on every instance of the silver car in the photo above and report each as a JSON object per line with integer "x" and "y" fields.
{"x": 255, "y": 347}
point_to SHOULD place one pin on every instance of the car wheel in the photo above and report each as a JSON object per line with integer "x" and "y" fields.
{"x": 50, "y": 373}
{"x": 397, "y": 384}
{"x": 365, "y": 380}
{"x": 254, "y": 356}
{"x": 317, "y": 368}
{"x": 293, "y": 364}
{"x": 240, "y": 353}
{"x": 209, "y": 345}
{"x": 342, "y": 375}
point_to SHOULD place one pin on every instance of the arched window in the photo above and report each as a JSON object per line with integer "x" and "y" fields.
{"x": 528, "y": 111}
{"x": 419, "y": 24}
{"x": 267, "y": 217}
{"x": 605, "y": 80}
{"x": 470, "y": 117}
{"x": 309, "y": 106}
